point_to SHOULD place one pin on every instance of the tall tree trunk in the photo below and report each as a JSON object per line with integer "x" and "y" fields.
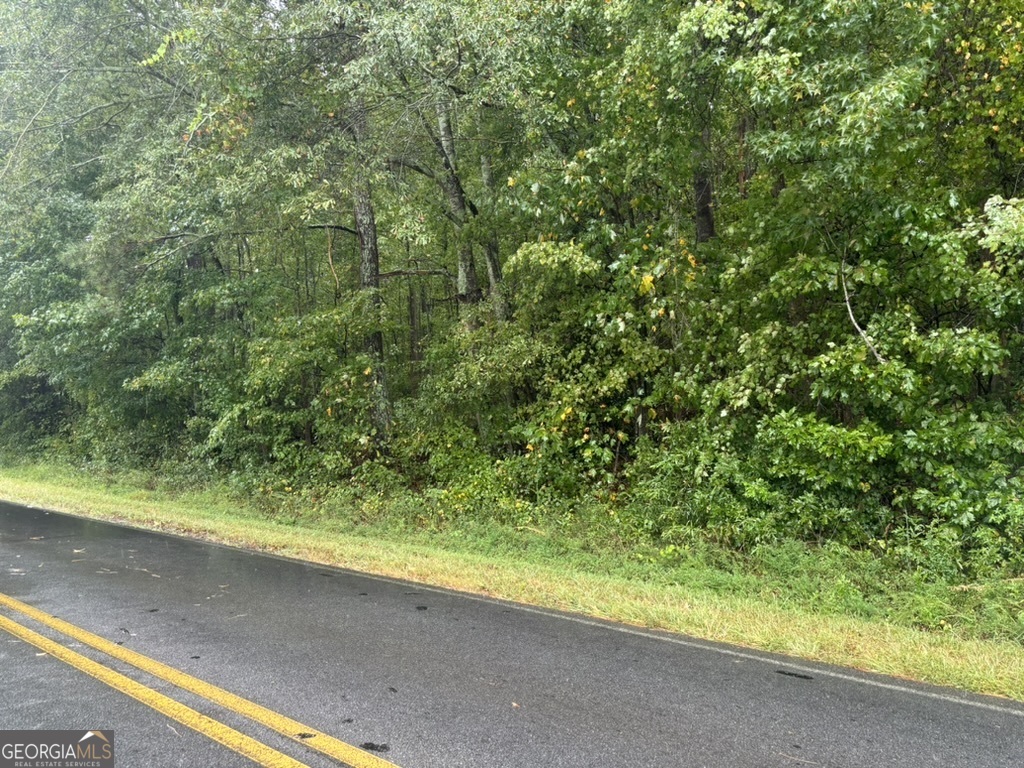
{"x": 447, "y": 135}
{"x": 467, "y": 281}
{"x": 703, "y": 187}
{"x": 494, "y": 274}
{"x": 468, "y": 284}
{"x": 704, "y": 194}
{"x": 703, "y": 155}
{"x": 415, "y": 322}
{"x": 369, "y": 281}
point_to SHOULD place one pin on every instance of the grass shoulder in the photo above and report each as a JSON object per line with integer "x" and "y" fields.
{"x": 825, "y": 603}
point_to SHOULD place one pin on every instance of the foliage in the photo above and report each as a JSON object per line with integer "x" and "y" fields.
{"x": 741, "y": 269}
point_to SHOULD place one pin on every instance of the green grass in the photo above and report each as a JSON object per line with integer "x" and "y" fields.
{"x": 826, "y": 604}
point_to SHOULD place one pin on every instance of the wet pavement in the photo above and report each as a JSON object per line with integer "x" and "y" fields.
{"x": 425, "y": 677}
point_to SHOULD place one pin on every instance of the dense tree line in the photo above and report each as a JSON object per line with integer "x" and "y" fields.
{"x": 750, "y": 267}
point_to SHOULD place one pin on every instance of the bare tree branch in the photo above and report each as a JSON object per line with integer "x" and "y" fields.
{"x": 333, "y": 227}
{"x": 853, "y": 319}
{"x": 416, "y": 273}
{"x": 14, "y": 150}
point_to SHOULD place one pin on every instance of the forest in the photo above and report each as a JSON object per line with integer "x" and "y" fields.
{"x": 743, "y": 271}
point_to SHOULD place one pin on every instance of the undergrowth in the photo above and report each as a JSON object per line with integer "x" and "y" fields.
{"x": 591, "y": 536}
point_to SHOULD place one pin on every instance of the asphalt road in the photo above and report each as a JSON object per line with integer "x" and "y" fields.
{"x": 424, "y": 677}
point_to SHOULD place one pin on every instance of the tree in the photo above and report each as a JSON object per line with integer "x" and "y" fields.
{"x": 750, "y": 264}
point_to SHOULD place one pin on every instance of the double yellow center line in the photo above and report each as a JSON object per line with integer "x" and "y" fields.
{"x": 309, "y": 737}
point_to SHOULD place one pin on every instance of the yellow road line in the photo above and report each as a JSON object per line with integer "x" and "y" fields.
{"x": 328, "y": 745}
{"x": 197, "y": 721}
